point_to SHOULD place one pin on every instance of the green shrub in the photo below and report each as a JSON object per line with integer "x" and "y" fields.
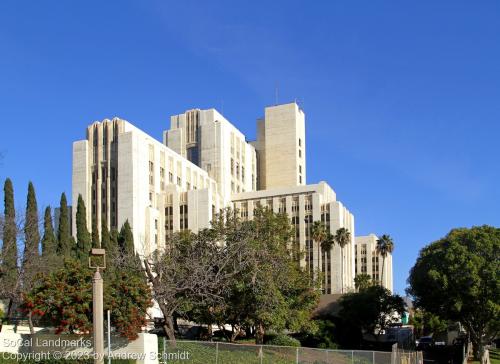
{"x": 283, "y": 340}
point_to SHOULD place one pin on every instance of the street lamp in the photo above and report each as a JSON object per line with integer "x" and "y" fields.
{"x": 97, "y": 261}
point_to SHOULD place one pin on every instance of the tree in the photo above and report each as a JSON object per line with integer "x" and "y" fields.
{"x": 105, "y": 237}
{"x": 319, "y": 235}
{"x": 268, "y": 289}
{"x": 126, "y": 239}
{"x": 113, "y": 249}
{"x": 427, "y": 323}
{"x": 31, "y": 236}
{"x": 385, "y": 246}
{"x": 190, "y": 272}
{"x": 64, "y": 298}
{"x": 280, "y": 295}
{"x": 9, "y": 270}
{"x": 96, "y": 242}
{"x": 64, "y": 242}
{"x": 83, "y": 239}
{"x": 370, "y": 311}
{"x": 457, "y": 279}
{"x": 342, "y": 238}
{"x": 49, "y": 243}
{"x": 362, "y": 281}
{"x": 31, "y": 259}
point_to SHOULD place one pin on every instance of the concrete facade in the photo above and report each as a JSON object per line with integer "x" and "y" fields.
{"x": 204, "y": 165}
{"x": 141, "y": 181}
{"x": 208, "y": 140}
{"x": 368, "y": 261}
{"x": 281, "y": 147}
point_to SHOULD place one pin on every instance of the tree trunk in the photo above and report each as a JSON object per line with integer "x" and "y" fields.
{"x": 8, "y": 316}
{"x": 259, "y": 334}
{"x": 382, "y": 272}
{"x": 325, "y": 256}
{"x": 341, "y": 269}
{"x": 481, "y": 353}
{"x": 169, "y": 330}
{"x": 320, "y": 264}
{"x": 30, "y": 323}
{"x": 235, "y": 332}
{"x": 210, "y": 333}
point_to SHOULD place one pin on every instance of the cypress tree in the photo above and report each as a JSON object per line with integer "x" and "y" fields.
{"x": 8, "y": 269}
{"x": 64, "y": 245}
{"x": 73, "y": 248}
{"x": 31, "y": 235}
{"x": 96, "y": 243}
{"x": 126, "y": 240}
{"x": 114, "y": 242}
{"x": 49, "y": 244}
{"x": 83, "y": 239}
{"x": 105, "y": 238}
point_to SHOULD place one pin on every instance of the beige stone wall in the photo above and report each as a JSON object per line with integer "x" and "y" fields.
{"x": 223, "y": 150}
{"x": 365, "y": 248}
{"x": 282, "y": 147}
{"x": 148, "y": 177}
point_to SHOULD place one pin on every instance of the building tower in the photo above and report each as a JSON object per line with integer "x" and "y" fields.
{"x": 281, "y": 147}
{"x": 368, "y": 261}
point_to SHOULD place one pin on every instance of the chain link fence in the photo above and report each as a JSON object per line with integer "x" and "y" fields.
{"x": 204, "y": 352}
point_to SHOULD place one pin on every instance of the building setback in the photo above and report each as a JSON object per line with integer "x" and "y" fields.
{"x": 204, "y": 165}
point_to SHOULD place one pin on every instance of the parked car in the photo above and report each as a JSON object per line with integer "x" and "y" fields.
{"x": 425, "y": 342}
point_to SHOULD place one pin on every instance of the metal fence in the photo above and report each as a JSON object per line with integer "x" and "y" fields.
{"x": 204, "y": 352}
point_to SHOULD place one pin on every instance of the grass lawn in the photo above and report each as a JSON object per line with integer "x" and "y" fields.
{"x": 206, "y": 353}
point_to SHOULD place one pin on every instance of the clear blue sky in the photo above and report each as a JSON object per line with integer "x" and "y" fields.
{"x": 402, "y": 99}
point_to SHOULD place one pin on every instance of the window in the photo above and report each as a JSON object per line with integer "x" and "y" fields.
{"x": 300, "y": 153}
{"x": 282, "y": 205}
{"x": 300, "y": 169}
{"x": 300, "y": 179}
{"x": 300, "y": 142}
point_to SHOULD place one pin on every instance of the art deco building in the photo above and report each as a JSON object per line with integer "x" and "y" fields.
{"x": 203, "y": 165}
{"x": 368, "y": 261}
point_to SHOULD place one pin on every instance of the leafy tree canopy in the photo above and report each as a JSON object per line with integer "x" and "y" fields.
{"x": 458, "y": 278}
{"x": 268, "y": 289}
{"x": 362, "y": 281}
{"x": 63, "y": 298}
{"x": 371, "y": 310}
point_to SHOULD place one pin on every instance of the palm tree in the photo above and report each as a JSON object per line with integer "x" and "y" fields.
{"x": 342, "y": 238}
{"x": 319, "y": 234}
{"x": 362, "y": 281}
{"x": 326, "y": 246}
{"x": 385, "y": 246}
